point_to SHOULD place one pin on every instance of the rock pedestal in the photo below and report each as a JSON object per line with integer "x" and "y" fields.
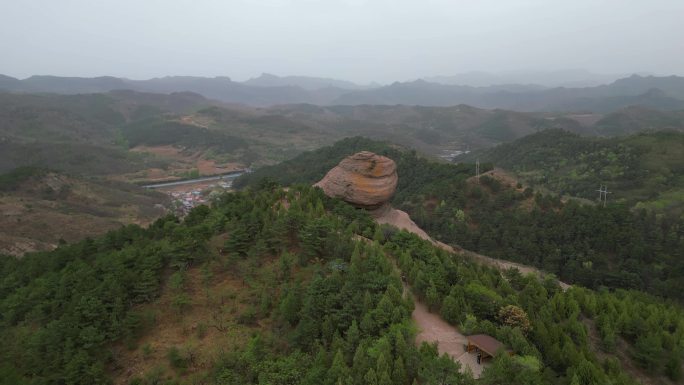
{"x": 365, "y": 180}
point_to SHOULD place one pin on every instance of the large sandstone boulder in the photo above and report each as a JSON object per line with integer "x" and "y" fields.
{"x": 365, "y": 179}
{"x": 368, "y": 180}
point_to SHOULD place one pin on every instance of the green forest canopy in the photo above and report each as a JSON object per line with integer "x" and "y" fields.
{"x": 645, "y": 169}
{"x": 615, "y": 247}
{"x": 335, "y": 308}
{"x": 333, "y": 311}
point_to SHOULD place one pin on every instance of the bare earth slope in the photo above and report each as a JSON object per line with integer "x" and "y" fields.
{"x": 39, "y": 211}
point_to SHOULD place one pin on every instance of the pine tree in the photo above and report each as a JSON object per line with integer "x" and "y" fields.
{"x": 290, "y": 305}
{"x": 451, "y": 311}
{"x": 383, "y": 311}
{"x": 360, "y": 365}
{"x": 239, "y": 240}
{"x": 371, "y": 378}
{"x": 575, "y": 380}
{"x": 353, "y": 338}
{"x": 432, "y": 297}
{"x": 368, "y": 325}
{"x": 367, "y": 303}
{"x": 382, "y": 366}
{"x": 399, "y": 376}
{"x": 384, "y": 379}
{"x": 647, "y": 351}
{"x": 673, "y": 367}
{"x": 338, "y": 369}
{"x": 400, "y": 347}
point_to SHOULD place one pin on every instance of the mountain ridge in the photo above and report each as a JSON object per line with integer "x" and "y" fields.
{"x": 309, "y": 83}
{"x": 664, "y": 93}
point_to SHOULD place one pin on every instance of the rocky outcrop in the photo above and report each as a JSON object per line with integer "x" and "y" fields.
{"x": 368, "y": 181}
{"x": 365, "y": 180}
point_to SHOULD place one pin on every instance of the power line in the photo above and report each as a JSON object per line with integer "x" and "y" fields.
{"x": 603, "y": 194}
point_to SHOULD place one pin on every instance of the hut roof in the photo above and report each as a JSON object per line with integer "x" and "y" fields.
{"x": 488, "y": 344}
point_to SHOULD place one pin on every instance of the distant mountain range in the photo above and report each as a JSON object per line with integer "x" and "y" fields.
{"x": 306, "y": 82}
{"x": 546, "y": 79}
{"x": 664, "y": 93}
{"x": 655, "y": 92}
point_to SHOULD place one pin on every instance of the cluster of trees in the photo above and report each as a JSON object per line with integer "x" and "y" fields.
{"x": 335, "y": 311}
{"x": 11, "y": 180}
{"x": 157, "y": 131}
{"x": 546, "y": 327}
{"x": 636, "y": 168}
{"x": 593, "y": 246}
{"x": 59, "y": 310}
{"x": 616, "y": 246}
{"x": 336, "y": 308}
{"x": 338, "y": 318}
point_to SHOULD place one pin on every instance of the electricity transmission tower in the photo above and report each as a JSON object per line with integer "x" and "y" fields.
{"x": 603, "y": 194}
{"x": 477, "y": 170}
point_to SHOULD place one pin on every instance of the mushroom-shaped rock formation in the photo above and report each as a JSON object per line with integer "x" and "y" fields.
{"x": 365, "y": 179}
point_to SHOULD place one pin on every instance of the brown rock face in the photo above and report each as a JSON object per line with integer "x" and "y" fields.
{"x": 364, "y": 179}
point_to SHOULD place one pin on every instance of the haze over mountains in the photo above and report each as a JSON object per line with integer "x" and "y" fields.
{"x": 665, "y": 93}
{"x": 306, "y": 82}
{"x": 559, "y": 78}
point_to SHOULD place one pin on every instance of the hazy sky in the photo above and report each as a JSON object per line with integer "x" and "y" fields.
{"x": 360, "y": 40}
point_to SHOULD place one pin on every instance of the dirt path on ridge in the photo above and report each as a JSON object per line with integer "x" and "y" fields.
{"x": 432, "y": 328}
{"x": 401, "y": 220}
{"x": 505, "y": 265}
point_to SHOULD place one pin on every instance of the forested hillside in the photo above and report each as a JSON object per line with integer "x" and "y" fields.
{"x": 614, "y": 246}
{"x": 142, "y": 138}
{"x": 365, "y": 217}
{"x": 637, "y": 119}
{"x": 121, "y": 132}
{"x": 322, "y": 301}
{"x": 158, "y": 131}
{"x": 82, "y": 134}
{"x": 645, "y": 169}
{"x": 328, "y": 308}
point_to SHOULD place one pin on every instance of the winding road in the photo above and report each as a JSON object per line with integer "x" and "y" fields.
{"x": 228, "y": 176}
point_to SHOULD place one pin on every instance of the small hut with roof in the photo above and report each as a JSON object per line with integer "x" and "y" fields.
{"x": 488, "y": 346}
